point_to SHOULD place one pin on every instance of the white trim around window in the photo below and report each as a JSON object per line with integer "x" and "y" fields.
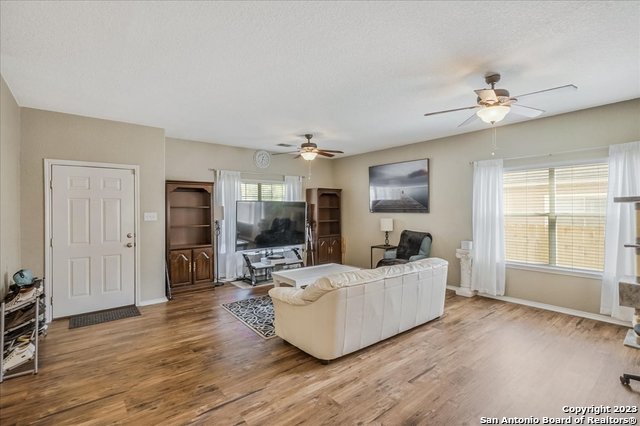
{"x": 582, "y": 273}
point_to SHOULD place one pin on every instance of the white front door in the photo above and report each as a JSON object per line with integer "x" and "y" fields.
{"x": 93, "y": 235}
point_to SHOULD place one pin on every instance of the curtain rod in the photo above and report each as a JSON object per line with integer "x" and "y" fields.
{"x": 551, "y": 154}
{"x": 261, "y": 173}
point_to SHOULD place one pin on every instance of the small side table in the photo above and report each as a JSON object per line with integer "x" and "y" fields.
{"x": 384, "y": 247}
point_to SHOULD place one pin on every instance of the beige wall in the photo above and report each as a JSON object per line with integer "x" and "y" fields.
{"x": 450, "y": 189}
{"x": 190, "y": 160}
{"x": 54, "y": 135}
{"x": 9, "y": 186}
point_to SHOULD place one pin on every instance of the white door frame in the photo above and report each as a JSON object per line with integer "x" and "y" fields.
{"x": 48, "y": 164}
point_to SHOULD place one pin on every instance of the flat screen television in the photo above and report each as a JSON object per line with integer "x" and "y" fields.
{"x": 269, "y": 224}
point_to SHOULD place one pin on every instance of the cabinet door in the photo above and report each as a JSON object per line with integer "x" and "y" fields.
{"x": 202, "y": 264}
{"x": 335, "y": 250}
{"x": 324, "y": 248}
{"x": 180, "y": 267}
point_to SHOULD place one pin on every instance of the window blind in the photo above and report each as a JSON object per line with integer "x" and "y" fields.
{"x": 555, "y": 216}
{"x": 249, "y": 191}
{"x": 262, "y": 191}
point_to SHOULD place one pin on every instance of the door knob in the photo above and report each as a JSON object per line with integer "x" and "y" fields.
{"x": 129, "y": 245}
{"x": 129, "y": 235}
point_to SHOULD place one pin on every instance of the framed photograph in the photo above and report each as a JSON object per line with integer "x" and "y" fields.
{"x": 399, "y": 187}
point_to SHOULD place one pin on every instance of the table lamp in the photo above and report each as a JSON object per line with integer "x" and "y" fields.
{"x": 386, "y": 225}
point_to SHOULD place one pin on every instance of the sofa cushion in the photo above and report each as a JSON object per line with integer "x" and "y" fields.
{"x": 425, "y": 247}
{"x": 334, "y": 281}
{"x": 292, "y": 296}
{"x": 392, "y": 270}
{"x": 431, "y": 262}
{"x": 347, "y": 279}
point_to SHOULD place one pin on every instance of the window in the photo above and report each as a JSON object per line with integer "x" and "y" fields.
{"x": 556, "y": 216}
{"x": 261, "y": 191}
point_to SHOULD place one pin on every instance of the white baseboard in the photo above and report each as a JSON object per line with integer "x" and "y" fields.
{"x": 553, "y": 308}
{"x": 152, "y": 301}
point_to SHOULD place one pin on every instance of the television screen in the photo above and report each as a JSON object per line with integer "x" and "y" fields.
{"x": 399, "y": 187}
{"x": 269, "y": 224}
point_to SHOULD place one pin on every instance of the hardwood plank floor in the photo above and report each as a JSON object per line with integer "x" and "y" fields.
{"x": 190, "y": 362}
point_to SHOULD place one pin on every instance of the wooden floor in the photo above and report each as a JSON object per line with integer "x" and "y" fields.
{"x": 190, "y": 361}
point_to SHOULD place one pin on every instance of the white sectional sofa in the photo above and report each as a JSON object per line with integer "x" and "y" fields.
{"x": 342, "y": 313}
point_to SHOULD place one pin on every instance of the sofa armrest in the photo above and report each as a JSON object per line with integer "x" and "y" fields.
{"x": 417, "y": 257}
{"x": 288, "y": 295}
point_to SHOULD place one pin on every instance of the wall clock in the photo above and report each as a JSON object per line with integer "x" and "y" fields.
{"x": 262, "y": 159}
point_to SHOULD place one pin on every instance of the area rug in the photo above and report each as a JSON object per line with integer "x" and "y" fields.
{"x": 245, "y": 285}
{"x": 103, "y": 316}
{"x": 256, "y": 313}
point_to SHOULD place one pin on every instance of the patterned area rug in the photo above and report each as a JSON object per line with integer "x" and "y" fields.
{"x": 103, "y": 316}
{"x": 256, "y": 313}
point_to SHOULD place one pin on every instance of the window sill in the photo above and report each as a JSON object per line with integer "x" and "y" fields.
{"x": 555, "y": 270}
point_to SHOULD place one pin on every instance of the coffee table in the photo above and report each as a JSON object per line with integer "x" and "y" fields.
{"x": 302, "y": 277}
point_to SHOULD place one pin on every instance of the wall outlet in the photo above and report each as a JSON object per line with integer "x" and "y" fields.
{"x": 150, "y": 216}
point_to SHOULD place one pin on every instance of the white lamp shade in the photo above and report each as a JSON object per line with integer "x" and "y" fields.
{"x": 307, "y": 155}
{"x": 218, "y": 212}
{"x": 386, "y": 224}
{"x": 493, "y": 114}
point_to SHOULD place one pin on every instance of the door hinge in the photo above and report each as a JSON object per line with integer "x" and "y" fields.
{"x": 51, "y": 300}
{"x": 51, "y": 183}
{"x": 50, "y": 242}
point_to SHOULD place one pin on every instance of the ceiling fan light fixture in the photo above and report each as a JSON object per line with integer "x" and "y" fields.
{"x": 308, "y": 155}
{"x": 493, "y": 114}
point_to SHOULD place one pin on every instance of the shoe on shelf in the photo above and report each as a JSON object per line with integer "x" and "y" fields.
{"x": 25, "y": 338}
{"x": 18, "y": 356}
{"x": 23, "y": 298}
{"x": 21, "y": 317}
{"x": 18, "y": 336}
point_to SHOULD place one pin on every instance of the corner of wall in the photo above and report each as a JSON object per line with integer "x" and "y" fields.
{"x": 10, "y": 152}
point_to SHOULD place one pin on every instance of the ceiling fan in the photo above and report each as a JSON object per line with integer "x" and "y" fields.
{"x": 494, "y": 104}
{"x": 309, "y": 150}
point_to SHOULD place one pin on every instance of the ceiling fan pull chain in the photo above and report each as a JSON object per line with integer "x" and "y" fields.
{"x": 309, "y": 176}
{"x": 494, "y": 144}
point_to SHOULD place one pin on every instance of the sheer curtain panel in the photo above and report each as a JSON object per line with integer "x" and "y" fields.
{"x": 488, "y": 268}
{"x": 624, "y": 180}
{"x": 227, "y": 193}
{"x": 293, "y": 188}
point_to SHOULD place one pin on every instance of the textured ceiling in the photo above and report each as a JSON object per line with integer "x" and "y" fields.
{"x": 358, "y": 74}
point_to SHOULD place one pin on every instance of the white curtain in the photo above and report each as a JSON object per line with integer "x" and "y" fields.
{"x": 488, "y": 228}
{"x": 624, "y": 180}
{"x": 227, "y": 193}
{"x": 293, "y": 188}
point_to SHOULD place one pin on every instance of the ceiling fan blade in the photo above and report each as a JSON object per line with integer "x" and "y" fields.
{"x": 566, "y": 87}
{"x": 282, "y": 153}
{"x": 450, "y": 110}
{"x": 469, "y": 120}
{"x": 525, "y": 110}
{"x": 332, "y": 150}
{"x": 325, "y": 154}
{"x": 297, "y": 156}
{"x": 487, "y": 95}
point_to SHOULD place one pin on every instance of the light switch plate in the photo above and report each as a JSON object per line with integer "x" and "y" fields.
{"x": 150, "y": 216}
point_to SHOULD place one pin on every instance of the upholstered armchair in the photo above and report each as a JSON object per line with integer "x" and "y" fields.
{"x": 413, "y": 245}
